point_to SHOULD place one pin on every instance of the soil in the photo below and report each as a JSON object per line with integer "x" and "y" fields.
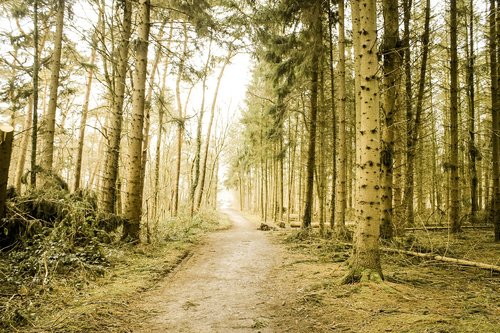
{"x": 225, "y": 286}
{"x": 245, "y": 280}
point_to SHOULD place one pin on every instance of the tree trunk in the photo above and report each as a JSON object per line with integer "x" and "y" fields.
{"x": 341, "y": 184}
{"x": 365, "y": 259}
{"x": 34, "y": 129}
{"x": 24, "y": 146}
{"x": 316, "y": 29}
{"x": 408, "y": 190}
{"x": 49, "y": 122}
{"x": 6, "y": 137}
{"x": 199, "y": 127}
{"x": 453, "y": 164}
{"x": 180, "y": 123}
{"x": 133, "y": 198}
{"x": 85, "y": 110}
{"x": 209, "y": 129}
{"x": 110, "y": 174}
{"x": 391, "y": 69}
{"x": 495, "y": 126}
{"x": 472, "y": 117}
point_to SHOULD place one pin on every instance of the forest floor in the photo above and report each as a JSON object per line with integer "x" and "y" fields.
{"x": 241, "y": 279}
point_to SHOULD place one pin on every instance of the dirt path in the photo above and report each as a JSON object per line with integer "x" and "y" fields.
{"x": 223, "y": 287}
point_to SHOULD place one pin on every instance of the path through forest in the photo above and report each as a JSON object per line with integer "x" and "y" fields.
{"x": 224, "y": 286}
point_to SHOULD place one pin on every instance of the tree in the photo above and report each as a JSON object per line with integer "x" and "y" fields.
{"x": 365, "y": 260}
{"x": 49, "y": 122}
{"x": 495, "y": 107}
{"x": 315, "y": 26}
{"x": 107, "y": 200}
{"x": 341, "y": 186}
{"x": 133, "y": 199}
{"x": 391, "y": 69}
{"x": 453, "y": 163}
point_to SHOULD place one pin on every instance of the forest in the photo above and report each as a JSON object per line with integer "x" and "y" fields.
{"x": 139, "y": 136}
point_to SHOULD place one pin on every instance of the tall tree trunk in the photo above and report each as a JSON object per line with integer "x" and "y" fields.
{"x": 365, "y": 259}
{"x": 161, "y": 112}
{"x": 148, "y": 106}
{"x": 49, "y": 122}
{"x": 391, "y": 69}
{"x": 199, "y": 127}
{"x": 110, "y": 174}
{"x": 495, "y": 126}
{"x": 180, "y": 123}
{"x": 472, "y": 117}
{"x": 316, "y": 29}
{"x": 408, "y": 190}
{"x": 209, "y": 129}
{"x": 34, "y": 129}
{"x": 341, "y": 185}
{"x": 85, "y": 110}
{"x": 133, "y": 198}
{"x": 24, "y": 146}
{"x": 453, "y": 163}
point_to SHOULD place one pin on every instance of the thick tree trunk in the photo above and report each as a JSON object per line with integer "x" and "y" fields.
{"x": 365, "y": 259}
{"x": 392, "y": 64}
{"x": 49, "y": 122}
{"x": 110, "y": 174}
{"x": 453, "y": 163}
{"x": 133, "y": 199}
{"x": 6, "y": 137}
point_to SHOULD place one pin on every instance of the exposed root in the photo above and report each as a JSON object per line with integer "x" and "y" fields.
{"x": 362, "y": 275}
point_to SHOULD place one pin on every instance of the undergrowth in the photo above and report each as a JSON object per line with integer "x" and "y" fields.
{"x": 54, "y": 243}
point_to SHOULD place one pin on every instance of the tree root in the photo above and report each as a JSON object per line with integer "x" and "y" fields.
{"x": 362, "y": 275}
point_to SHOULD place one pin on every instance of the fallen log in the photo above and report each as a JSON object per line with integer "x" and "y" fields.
{"x": 438, "y": 228}
{"x": 461, "y": 262}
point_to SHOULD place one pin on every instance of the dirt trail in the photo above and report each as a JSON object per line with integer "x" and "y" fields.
{"x": 223, "y": 287}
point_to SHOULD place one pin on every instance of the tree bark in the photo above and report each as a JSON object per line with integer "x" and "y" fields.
{"x": 495, "y": 126}
{"x": 391, "y": 69}
{"x": 133, "y": 198}
{"x": 341, "y": 184}
{"x": 453, "y": 163}
{"x": 365, "y": 260}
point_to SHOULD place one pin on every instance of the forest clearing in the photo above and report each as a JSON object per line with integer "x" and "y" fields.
{"x": 249, "y": 166}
